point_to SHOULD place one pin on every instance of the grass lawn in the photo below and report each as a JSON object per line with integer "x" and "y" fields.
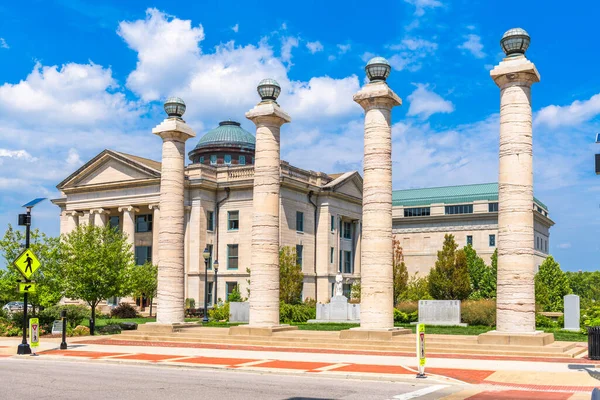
{"x": 108, "y": 321}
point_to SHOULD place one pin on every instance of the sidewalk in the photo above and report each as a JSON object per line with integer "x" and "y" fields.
{"x": 482, "y": 378}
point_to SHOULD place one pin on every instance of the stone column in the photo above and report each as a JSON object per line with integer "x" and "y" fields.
{"x": 72, "y": 221}
{"x": 174, "y": 133}
{"x": 377, "y": 99}
{"x": 99, "y": 216}
{"x": 129, "y": 223}
{"x": 155, "y": 229}
{"x": 268, "y": 118}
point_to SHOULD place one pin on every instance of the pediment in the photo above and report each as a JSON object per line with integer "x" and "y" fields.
{"x": 351, "y": 188}
{"x": 111, "y": 167}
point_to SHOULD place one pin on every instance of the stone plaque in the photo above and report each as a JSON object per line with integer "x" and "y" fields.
{"x": 57, "y": 327}
{"x": 572, "y": 312}
{"x": 355, "y": 312}
{"x": 239, "y": 312}
{"x": 439, "y": 312}
{"x": 338, "y": 308}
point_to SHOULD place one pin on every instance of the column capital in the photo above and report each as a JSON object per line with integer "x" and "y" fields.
{"x": 174, "y": 129}
{"x": 99, "y": 211}
{"x": 128, "y": 209}
{"x": 154, "y": 206}
{"x": 268, "y": 113}
{"x": 73, "y": 213}
{"x": 515, "y": 70}
{"x": 377, "y": 95}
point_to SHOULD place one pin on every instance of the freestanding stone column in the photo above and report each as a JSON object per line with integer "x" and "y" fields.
{"x": 155, "y": 230}
{"x": 129, "y": 223}
{"x": 264, "y": 271}
{"x": 515, "y": 298}
{"x": 174, "y": 132}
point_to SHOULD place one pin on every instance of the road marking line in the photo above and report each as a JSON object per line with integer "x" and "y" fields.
{"x": 329, "y": 367}
{"x": 420, "y": 392}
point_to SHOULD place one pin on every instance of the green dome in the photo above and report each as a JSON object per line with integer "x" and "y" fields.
{"x": 228, "y": 133}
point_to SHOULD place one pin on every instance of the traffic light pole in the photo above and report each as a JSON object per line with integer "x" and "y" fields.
{"x": 24, "y": 346}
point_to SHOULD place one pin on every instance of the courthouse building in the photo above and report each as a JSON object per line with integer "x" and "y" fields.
{"x": 320, "y": 214}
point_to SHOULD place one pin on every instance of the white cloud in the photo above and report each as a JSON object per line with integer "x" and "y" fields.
{"x": 73, "y": 158}
{"x": 425, "y": 102}
{"x": 573, "y": 114}
{"x": 287, "y": 44}
{"x": 17, "y": 154}
{"x": 314, "y": 47}
{"x": 331, "y": 57}
{"x": 3, "y": 44}
{"x": 411, "y": 53}
{"x": 473, "y": 45}
{"x": 565, "y": 245}
{"x": 421, "y": 5}
{"x": 236, "y": 28}
{"x": 344, "y": 48}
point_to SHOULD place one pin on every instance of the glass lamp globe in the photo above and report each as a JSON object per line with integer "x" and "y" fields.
{"x": 216, "y": 265}
{"x": 206, "y": 254}
{"x": 268, "y": 89}
{"x": 174, "y": 107}
{"x": 515, "y": 42}
{"x": 378, "y": 69}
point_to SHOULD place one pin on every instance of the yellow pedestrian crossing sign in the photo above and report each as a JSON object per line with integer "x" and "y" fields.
{"x": 27, "y": 287}
{"x": 27, "y": 263}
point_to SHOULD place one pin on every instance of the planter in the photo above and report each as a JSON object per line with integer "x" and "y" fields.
{"x": 594, "y": 342}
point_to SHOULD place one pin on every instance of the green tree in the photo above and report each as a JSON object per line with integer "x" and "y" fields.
{"x": 417, "y": 288}
{"x": 290, "y": 276}
{"x": 477, "y": 270}
{"x": 144, "y": 281}
{"x": 586, "y": 285}
{"x": 96, "y": 264}
{"x": 48, "y": 277}
{"x": 487, "y": 286}
{"x": 355, "y": 291}
{"x": 449, "y": 279}
{"x": 551, "y": 285}
{"x": 400, "y": 272}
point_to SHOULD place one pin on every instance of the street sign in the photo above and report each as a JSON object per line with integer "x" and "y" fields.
{"x": 34, "y": 332}
{"x": 27, "y": 263}
{"x": 27, "y": 287}
{"x": 421, "y": 350}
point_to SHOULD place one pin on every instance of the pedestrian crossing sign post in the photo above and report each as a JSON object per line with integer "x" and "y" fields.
{"x": 34, "y": 333}
{"x": 27, "y": 287}
{"x": 421, "y": 350}
{"x": 27, "y": 263}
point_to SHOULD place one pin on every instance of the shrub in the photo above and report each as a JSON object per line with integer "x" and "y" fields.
{"x": 417, "y": 288}
{"x": 81, "y": 331}
{"x": 235, "y": 296}
{"x": 111, "y": 329}
{"x": 8, "y": 328}
{"x": 219, "y": 312}
{"x": 296, "y": 312}
{"x": 541, "y": 321}
{"x": 479, "y": 312}
{"x": 190, "y": 303}
{"x": 408, "y": 306}
{"x": 76, "y": 313}
{"x": 404, "y": 317}
{"x": 124, "y": 310}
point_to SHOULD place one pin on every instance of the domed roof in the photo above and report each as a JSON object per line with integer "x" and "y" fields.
{"x": 228, "y": 133}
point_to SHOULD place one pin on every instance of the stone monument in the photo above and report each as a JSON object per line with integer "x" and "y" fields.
{"x": 439, "y": 312}
{"x": 572, "y": 313}
{"x": 515, "y": 303}
{"x": 338, "y": 309}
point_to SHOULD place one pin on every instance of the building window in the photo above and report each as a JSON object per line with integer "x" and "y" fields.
{"x": 210, "y": 221}
{"x": 233, "y": 220}
{"x": 143, "y": 223}
{"x": 492, "y": 240}
{"x": 332, "y": 223}
{"x": 347, "y": 230}
{"x": 242, "y": 160}
{"x": 227, "y": 159}
{"x": 229, "y": 288}
{"x": 143, "y": 254}
{"x": 331, "y": 255}
{"x": 460, "y": 209}
{"x": 299, "y": 249}
{"x": 537, "y": 242}
{"x": 232, "y": 256}
{"x": 417, "y": 212}
{"x": 213, "y": 159}
{"x": 210, "y": 293}
{"x": 340, "y": 262}
{"x": 114, "y": 222}
{"x": 347, "y": 262}
{"x": 546, "y": 246}
{"x": 347, "y": 290}
{"x": 209, "y": 247}
{"x": 299, "y": 221}
{"x": 469, "y": 240}
{"x": 201, "y": 160}
{"x": 493, "y": 207}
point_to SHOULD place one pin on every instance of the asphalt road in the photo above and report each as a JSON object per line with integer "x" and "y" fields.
{"x": 38, "y": 379}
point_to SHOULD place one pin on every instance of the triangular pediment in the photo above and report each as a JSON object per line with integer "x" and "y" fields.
{"x": 349, "y": 183}
{"x": 351, "y": 188}
{"x": 112, "y": 167}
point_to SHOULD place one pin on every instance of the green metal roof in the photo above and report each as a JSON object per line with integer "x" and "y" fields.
{"x": 449, "y": 195}
{"x": 227, "y": 133}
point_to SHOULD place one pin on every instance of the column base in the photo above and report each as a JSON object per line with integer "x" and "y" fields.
{"x": 155, "y": 327}
{"x": 249, "y": 330}
{"x": 373, "y": 334}
{"x": 536, "y": 338}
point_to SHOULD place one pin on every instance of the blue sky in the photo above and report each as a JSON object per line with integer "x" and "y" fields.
{"x": 79, "y": 76}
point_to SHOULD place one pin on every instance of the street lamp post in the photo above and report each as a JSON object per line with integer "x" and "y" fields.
{"x": 206, "y": 255}
{"x": 216, "y": 268}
